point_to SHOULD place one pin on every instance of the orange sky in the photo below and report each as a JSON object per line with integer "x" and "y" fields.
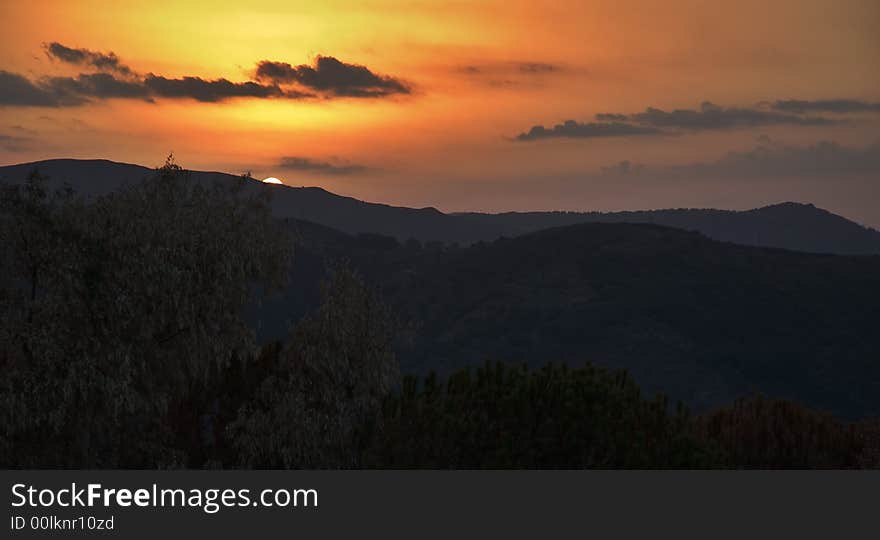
{"x": 478, "y": 74}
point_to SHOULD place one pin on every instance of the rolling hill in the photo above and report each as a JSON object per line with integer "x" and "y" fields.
{"x": 701, "y": 320}
{"x": 97, "y": 177}
{"x": 794, "y": 226}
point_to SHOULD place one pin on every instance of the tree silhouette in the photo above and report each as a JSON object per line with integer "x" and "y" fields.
{"x": 115, "y": 309}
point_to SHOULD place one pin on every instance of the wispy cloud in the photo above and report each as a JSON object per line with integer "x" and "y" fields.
{"x": 826, "y": 105}
{"x": 712, "y": 116}
{"x": 577, "y": 130}
{"x": 85, "y": 57}
{"x": 654, "y": 121}
{"x": 824, "y": 159}
{"x": 501, "y": 74}
{"x": 13, "y": 143}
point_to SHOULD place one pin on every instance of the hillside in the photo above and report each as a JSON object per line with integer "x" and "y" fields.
{"x": 794, "y": 226}
{"x": 701, "y": 320}
{"x": 98, "y": 177}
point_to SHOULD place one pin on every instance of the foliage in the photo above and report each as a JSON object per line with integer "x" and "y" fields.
{"x": 115, "y": 309}
{"x": 761, "y": 433}
{"x": 703, "y": 321}
{"x": 338, "y": 366}
{"x": 554, "y": 417}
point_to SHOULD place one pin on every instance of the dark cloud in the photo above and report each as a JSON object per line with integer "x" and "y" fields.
{"x": 576, "y": 130}
{"x": 294, "y": 163}
{"x": 612, "y": 117}
{"x": 95, "y": 85}
{"x": 85, "y": 57}
{"x": 328, "y": 77}
{"x": 213, "y": 90}
{"x": 711, "y": 116}
{"x": 655, "y": 121}
{"x": 824, "y": 158}
{"x": 333, "y": 77}
{"x": 827, "y": 158}
{"x": 536, "y": 67}
{"x": 16, "y": 90}
{"x": 826, "y": 105}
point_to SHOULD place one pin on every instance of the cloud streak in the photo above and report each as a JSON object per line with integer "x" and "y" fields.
{"x": 575, "y": 130}
{"x": 654, "y": 121}
{"x": 18, "y": 91}
{"x": 536, "y": 67}
{"x": 840, "y": 106}
{"x": 85, "y": 57}
{"x": 12, "y": 143}
{"x": 823, "y": 159}
{"x": 508, "y": 74}
{"x": 712, "y": 116}
{"x": 524, "y": 68}
{"x": 303, "y": 164}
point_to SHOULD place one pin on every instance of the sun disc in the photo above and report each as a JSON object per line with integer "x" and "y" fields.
{"x": 272, "y": 180}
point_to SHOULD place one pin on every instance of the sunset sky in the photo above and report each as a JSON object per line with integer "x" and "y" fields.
{"x": 581, "y": 105}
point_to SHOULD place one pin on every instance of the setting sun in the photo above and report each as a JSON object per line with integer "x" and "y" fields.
{"x": 272, "y": 180}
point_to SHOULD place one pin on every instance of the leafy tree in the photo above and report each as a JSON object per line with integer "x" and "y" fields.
{"x": 554, "y": 417}
{"x": 320, "y": 402}
{"x": 762, "y": 433}
{"x": 115, "y": 309}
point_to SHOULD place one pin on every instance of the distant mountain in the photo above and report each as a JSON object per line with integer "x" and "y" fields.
{"x": 702, "y": 320}
{"x": 97, "y": 177}
{"x": 800, "y": 227}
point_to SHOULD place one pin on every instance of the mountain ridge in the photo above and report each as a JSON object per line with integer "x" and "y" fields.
{"x": 787, "y": 225}
{"x": 699, "y": 319}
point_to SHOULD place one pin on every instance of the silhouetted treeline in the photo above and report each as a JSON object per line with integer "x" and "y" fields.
{"x": 509, "y": 417}
{"x": 762, "y": 433}
{"x": 502, "y": 416}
